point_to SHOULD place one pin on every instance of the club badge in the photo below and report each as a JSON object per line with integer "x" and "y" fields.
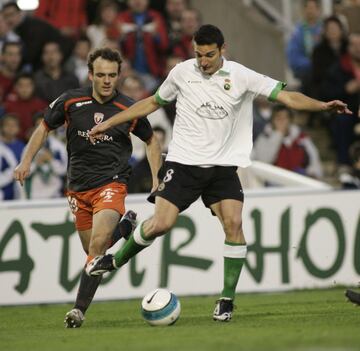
{"x": 227, "y": 85}
{"x": 98, "y": 117}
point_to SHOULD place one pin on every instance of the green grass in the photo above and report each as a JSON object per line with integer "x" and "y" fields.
{"x": 302, "y": 320}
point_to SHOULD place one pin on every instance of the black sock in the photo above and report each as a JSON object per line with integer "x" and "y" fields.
{"x": 87, "y": 290}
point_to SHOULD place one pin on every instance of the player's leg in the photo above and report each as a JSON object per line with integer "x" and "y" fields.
{"x": 144, "y": 235}
{"x": 83, "y": 222}
{"x": 178, "y": 190}
{"x": 95, "y": 240}
{"x": 229, "y": 214}
{"x": 87, "y": 288}
{"x": 225, "y": 198}
{"x": 104, "y": 223}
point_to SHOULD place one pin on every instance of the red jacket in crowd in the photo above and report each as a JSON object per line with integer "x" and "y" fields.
{"x": 63, "y": 14}
{"x": 24, "y": 110}
{"x": 155, "y": 46}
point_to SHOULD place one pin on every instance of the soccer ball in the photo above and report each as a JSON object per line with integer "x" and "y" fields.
{"x": 160, "y": 307}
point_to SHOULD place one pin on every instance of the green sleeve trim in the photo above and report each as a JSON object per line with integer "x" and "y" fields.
{"x": 279, "y": 86}
{"x": 159, "y": 100}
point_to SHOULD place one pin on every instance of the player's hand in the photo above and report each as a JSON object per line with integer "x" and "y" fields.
{"x": 21, "y": 172}
{"x": 337, "y": 106}
{"x": 98, "y": 132}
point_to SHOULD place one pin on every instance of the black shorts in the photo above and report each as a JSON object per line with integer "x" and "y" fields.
{"x": 183, "y": 184}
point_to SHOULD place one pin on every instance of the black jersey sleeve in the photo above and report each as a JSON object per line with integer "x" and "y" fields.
{"x": 143, "y": 129}
{"x": 55, "y": 113}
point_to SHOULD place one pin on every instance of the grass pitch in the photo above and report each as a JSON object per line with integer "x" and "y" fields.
{"x": 303, "y": 320}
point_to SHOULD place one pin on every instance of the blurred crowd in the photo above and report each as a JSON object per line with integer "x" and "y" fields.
{"x": 44, "y": 53}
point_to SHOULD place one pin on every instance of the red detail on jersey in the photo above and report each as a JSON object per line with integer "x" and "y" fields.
{"x": 121, "y": 106}
{"x": 71, "y": 101}
{"x": 45, "y": 125}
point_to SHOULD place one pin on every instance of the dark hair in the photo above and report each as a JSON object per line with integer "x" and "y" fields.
{"x": 11, "y": 4}
{"x": 103, "y": 5}
{"x": 279, "y": 108}
{"x": 25, "y": 75}
{"x": 305, "y": 2}
{"x": 106, "y": 54}
{"x": 83, "y": 37}
{"x": 337, "y": 20}
{"x": 11, "y": 43}
{"x": 209, "y": 34}
{"x": 8, "y": 116}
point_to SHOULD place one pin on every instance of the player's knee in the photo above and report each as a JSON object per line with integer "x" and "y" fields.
{"x": 232, "y": 225}
{"x": 160, "y": 226}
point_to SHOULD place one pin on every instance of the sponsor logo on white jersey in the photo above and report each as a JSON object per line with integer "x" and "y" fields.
{"x": 211, "y": 110}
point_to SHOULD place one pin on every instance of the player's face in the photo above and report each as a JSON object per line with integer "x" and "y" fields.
{"x": 209, "y": 57}
{"x": 104, "y": 78}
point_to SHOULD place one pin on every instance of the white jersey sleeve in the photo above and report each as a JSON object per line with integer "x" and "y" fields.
{"x": 168, "y": 90}
{"x": 260, "y": 84}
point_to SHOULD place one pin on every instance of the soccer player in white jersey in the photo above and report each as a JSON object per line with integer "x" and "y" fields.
{"x": 212, "y": 136}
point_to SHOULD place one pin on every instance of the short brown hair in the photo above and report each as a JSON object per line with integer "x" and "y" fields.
{"x": 106, "y": 54}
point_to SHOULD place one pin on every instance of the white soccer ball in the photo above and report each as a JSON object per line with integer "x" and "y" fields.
{"x": 160, "y": 307}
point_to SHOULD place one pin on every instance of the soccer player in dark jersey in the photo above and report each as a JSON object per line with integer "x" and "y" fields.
{"x": 97, "y": 174}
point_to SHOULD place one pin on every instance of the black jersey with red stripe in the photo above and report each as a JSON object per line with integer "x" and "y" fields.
{"x": 91, "y": 166}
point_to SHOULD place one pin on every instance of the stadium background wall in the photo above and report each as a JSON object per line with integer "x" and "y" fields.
{"x": 295, "y": 240}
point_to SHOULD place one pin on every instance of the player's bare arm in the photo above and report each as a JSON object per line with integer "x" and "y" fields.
{"x": 34, "y": 145}
{"x": 153, "y": 154}
{"x": 140, "y": 109}
{"x": 299, "y": 101}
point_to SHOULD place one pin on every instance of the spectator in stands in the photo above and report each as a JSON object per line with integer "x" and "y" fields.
{"x": 190, "y": 23}
{"x": 48, "y": 169}
{"x": 173, "y": 12}
{"x": 52, "y": 80}
{"x": 6, "y": 35}
{"x": 24, "y": 103}
{"x": 77, "y": 63}
{"x": 10, "y": 65}
{"x": 105, "y": 26}
{"x": 144, "y": 41}
{"x": 141, "y": 179}
{"x": 10, "y": 152}
{"x": 126, "y": 71}
{"x": 34, "y": 33}
{"x": 332, "y": 46}
{"x": 133, "y": 87}
{"x": 284, "y": 144}
{"x": 301, "y": 44}
{"x": 351, "y": 11}
{"x": 351, "y": 179}
{"x": 262, "y": 114}
{"x": 343, "y": 81}
{"x": 170, "y": 109}
{"x": 69, "y": 16}
{"x": 9, "y": 134}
